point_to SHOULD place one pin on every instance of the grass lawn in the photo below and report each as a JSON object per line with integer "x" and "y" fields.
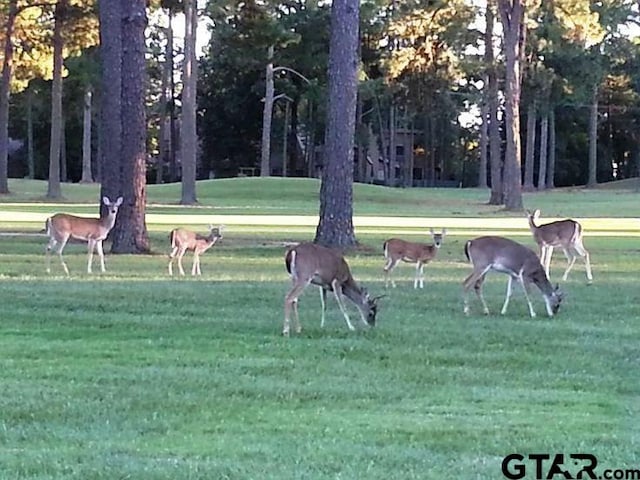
{"x": 132, "y": 374}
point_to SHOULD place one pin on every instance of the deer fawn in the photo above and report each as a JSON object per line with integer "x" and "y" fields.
{"x": 518, "y": 262}
{"x": 62, "y": 226}
{"x": 396, "y": 250}
{"x": 310, "y": 263}
{"x": 183, "y": 240}
{"x": 566, "y": 234}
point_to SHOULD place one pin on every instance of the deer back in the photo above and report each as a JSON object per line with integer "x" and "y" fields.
{"x": 80, "y": 228}
{"x": 318, "y": 264}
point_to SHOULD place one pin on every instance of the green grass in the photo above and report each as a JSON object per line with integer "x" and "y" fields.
{"x": 131, "y": 374}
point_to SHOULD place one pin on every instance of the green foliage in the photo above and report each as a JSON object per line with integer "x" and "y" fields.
{"x": 134, "y": 374}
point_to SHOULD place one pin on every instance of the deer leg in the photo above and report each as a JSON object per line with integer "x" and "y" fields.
{"x": 417, "y": 276}
{"x": 337, "y": 291}
{"x": 180, "y": 255}
{"x": 63, "y": 243}
{"x": 195, "y": 268}
{"x": 507, "y": 297}
{"x": 525, "y": 289}
{"x": 323, "y": 303}
{"x": 547, "y": 253}
{"x": 579, "y": 247}
{"x": 91, "y": 245}
{"x": 421, "y": 275}
{"x": 101, "y": 255}
{"x": 291, "y": 302}
{"x": 571, "y": 260}
{"x": 388, "y": 269}
{"x": 476, "y": 279}
{"x": 50, "y": 245}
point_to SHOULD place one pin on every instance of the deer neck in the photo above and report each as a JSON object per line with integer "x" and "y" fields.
{"x": 353, "y": 292}
{"x": 109, "y": 220}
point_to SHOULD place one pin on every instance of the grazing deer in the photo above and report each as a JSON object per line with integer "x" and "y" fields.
{"x": 310, "y": 263}
{"x": 62, "y": 226}
{"x": 183, "y": 240}
{"x": 517, "y": 261}
{"x": 396, "y": 250}
{"x": 566, "y": 234}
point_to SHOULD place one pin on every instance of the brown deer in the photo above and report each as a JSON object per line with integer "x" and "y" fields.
{"x": 183, "y": 240}
{"x": 518, "y": 262}
{"x": 62, "y": 226}
{"x": 308, "y": 263}
{"x": 396, "y": 250}
{"x": 566, "y": 234}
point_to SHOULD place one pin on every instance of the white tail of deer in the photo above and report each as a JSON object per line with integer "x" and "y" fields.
{"x": 396, "y": 250}
{"x": 518, "y": 262}
{"x": 566, "y": 234}
{"x": 62, "y": 226}
{"x": 308, "y": 263}
{"x": 185, "y": 240}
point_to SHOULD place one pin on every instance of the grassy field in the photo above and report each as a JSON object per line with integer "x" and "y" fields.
{"x": 132, "y": 374}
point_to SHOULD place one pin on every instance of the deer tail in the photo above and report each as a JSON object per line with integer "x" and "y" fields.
{"x": 47, "y": 226}
{"x": 290, "y": 261}
{"x": 467, "y": 246}
{"x": 172, "y": 238}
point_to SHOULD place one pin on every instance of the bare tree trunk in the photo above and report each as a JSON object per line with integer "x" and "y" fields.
{"x": 551, "y": 166}
{"x": 53, "y": 185}
{"x": 393, "y": 158}
{"x": 173, "y": 131}
{"x": 87, "y": 176}
{"x": 411, "y": 156}
{"x": 188, "y": 133}
{"x": 484, "y": 135}
{"x": 267, "y": 113}
{"x": 30, "y": 155}
{"x": 335, "y": 227}
{"x": 7, "y": 67}
{"x": 285, "y": 137}
{"x": 110, "y": 164}
{"x": 530, "y": 148}
{"x": 544, "y": 149}
{"x": 512, "y": 13}
{"x": 164, "y": 141}
{"x": 495, "y": 142}
{"x": 130, "y": 232}
{"x": 593, "y": 139}
{"x": 64, "y": 173}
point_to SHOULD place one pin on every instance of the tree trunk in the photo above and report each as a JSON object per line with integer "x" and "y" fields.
{"x": 544, "y": 149}
{"x": 87, "y": 176}
{"x": 512, "y": 14}
{"x": 267, "y": 113}
{"x": 30, "y": 155}
{"x": 64, "y": 173}
{"x": 551, "y": 164}
{"x": 188, "y": 133}
{"x": 53, "y": 185}
{"x": 110, "y": 102}
{"x": 285, "y": 137}
{"x": 5, "y": 83}
{"x": 173, "y": 133}
{"x": 335, "y": 227}
{"x": 593, "y": 139}
{"x": 530, "y": 149}
{"x": 393, "y": 158}
{"x": 164, "y": 140}
{"x": 130, "y": 235}
{"x": 495, "y": 141}
{"x": 484, "y": 135}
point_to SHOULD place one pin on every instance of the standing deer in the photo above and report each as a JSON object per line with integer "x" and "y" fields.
{"x": 62, "y": 226}
{"x": 566, "y": 234}
{"x": 310, "y": 263}
{"x": 396, "y": 250}
{"x": 183, "y": 240}
{"x": 518, "y": 262}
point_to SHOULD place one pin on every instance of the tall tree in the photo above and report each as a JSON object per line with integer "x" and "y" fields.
{"x": 11, "y": 14}
{"x": 189, "y": 135}
{"x": 495, "y": 146}
{"x": 130, "y": 235}
{"x": 335, "y": 227}
{"x": 530, "y": 147}
{"x": 512, "y": 15}
{"x": 87, "y": 175}
{"x": 55, "y": 139}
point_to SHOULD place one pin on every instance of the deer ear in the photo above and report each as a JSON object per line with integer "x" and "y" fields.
{"x": 536, "y": 214}
{"x": 106, "y": 201}
{"x": 119, "y": 201}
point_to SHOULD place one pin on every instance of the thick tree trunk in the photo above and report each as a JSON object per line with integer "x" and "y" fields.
{"x": 593, "y": 139}
{"x": 189, "y": 134}
{"x": 30, "y": 147}
{"x": 53, "y": 185}
{"x": 87, "y": 176}
{"x": 111, "y": 104}
{"x": 513, "y": 25}
{"x": 544, "y": 148}
{"x": 7, "y": 66}
{"x": 130, "y": 235}
{"x": 64, "y": 173}
{"x": 495, "y": 141}
{"x": 551, "y": 164}
{"x": 530, "y": 148}
{"x": 393, "y": 158}
{"x": 335, "y": 228}
{"x": 267, "y": 113}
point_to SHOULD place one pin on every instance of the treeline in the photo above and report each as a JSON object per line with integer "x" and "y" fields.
{"x": 425, "y": 112}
